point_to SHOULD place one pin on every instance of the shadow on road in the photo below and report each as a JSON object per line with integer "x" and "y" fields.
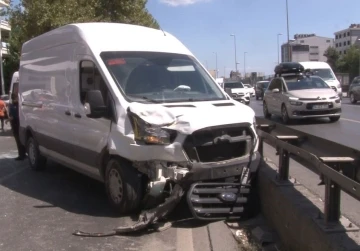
{"x": 6, "y": 133}
{"x": 58, "y": 186}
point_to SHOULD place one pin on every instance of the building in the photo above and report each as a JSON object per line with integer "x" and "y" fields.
{"x": 306, "y": 47}
{"x": 4, "y": 30}
{"x": 346, "y": 38}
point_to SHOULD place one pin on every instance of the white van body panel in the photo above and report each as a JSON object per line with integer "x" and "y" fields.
{"x": 50, "y": 63}
{"x": 323, "y": 65}
{"x": 14, "y": 79}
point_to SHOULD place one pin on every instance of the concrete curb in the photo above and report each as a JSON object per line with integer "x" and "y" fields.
{"x": 293, "y": 211}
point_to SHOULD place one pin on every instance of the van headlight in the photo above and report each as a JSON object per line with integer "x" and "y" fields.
{"x": 151, "y": 134}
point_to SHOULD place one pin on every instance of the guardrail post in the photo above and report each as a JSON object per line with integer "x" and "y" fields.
{"x": 284, "y": 161}
{"x": 332, "y": 201}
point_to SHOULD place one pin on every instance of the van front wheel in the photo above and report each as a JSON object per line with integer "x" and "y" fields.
{"x": 36, "y": 160}
{"x": 123, "y": 185}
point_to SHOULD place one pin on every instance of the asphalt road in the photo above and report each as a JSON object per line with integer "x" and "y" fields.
{"x": 346, "y": 131}
{"x": 40, "y": 210}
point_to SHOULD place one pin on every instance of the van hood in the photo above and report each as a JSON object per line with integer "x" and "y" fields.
{"x": 313, "y": 93}
{"x": 189, "y": 117}
{"x": 332, "y": 82}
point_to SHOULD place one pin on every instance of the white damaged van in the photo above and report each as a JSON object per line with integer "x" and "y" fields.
{"x": 132, "y": 107}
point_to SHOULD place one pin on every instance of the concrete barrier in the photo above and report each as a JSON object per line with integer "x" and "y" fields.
{"x": 296, "y": 214}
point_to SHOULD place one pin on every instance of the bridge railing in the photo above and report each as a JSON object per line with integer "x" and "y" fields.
{"x": 337, "y": 165}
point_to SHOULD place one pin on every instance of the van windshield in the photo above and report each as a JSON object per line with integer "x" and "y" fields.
{"x": 325, "y": 74}
{"x": 161, "y": 77}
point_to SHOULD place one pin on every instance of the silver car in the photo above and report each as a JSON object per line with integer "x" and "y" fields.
{"x": 299, "y": 97}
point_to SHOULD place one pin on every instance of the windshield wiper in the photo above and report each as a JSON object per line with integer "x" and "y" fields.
{"x": 146, "y": 98}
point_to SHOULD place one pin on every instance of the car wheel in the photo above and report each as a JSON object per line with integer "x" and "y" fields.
{"x": 334, "y": 119}
{"x": 123, "y": 185}
{"x": 352, "y": 98}
{"x": 36, "y": 160}
{"x": 285, "y": 115}
{"x": 266, "y": 111}
{"x": 257, "y": 97}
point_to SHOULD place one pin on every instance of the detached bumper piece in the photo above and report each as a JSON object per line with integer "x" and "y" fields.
{"x": 217, "y": 201}
{"x": 146, "y": 218}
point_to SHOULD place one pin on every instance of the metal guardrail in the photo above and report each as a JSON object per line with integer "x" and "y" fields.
{"x": 337, "y": 165}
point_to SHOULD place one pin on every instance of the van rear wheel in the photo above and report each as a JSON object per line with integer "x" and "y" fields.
{"x": 123, "y": 185}
{"x": 36, "y": 160}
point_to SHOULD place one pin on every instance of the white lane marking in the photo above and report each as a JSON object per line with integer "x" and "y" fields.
{"x": 184, "y": 239}
{"x": 351, "y": 120}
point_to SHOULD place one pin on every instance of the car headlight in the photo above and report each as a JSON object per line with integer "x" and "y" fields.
{"x": 294, "y": 101}
{"x": 150, "y": 134}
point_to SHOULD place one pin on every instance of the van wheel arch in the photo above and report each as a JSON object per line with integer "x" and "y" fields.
{"x": 123, "y": 184}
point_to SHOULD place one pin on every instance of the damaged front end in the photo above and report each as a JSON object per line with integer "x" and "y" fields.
{"x": 217, "y": 178}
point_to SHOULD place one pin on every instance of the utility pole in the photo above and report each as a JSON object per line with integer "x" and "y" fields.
{"x": 216, "y": 70}
{"x": 288, "y": 34}
{"x": 278, "y": 46}
{"x": 236, "y": 63}
{"x": 245, "y": 64}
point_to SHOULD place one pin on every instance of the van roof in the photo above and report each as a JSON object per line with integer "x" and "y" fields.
{"x": 103, "y": 36}
{"x": 315, "y": 65}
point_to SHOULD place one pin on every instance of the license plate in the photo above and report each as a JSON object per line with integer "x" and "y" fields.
{"x": 320, "y": 106}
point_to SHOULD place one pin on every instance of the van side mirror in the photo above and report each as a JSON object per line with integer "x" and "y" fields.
{"x": 96, "y": 102}
{"x": 276, "y": 90}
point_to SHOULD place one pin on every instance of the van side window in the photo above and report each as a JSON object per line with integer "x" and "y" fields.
{"x": 91, "y": 79}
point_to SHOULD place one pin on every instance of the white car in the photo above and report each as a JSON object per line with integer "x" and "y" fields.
{"x": 237, "y": 91}
{"x": 251, "y": 89}
{"x": 142, "y": 115}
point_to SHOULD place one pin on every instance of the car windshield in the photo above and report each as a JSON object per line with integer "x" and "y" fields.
{"x": 302, "y": 83}
{"x": 248, "y": 86}
{"x": 161, "y": 77}
{"x": 234, "y": 85}
{"x": 325, "y": 74}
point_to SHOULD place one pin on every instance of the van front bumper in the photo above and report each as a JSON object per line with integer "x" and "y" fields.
{"x": 212, "y": 196}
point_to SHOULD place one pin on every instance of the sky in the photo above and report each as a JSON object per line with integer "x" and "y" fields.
{"x": 204, "y": 26}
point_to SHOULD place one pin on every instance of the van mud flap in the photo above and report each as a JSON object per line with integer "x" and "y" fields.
{"x": 146, "y": 218}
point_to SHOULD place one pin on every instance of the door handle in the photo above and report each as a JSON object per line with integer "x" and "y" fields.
{"x": 77, "y": 115}
{"x": 67, "y": 113}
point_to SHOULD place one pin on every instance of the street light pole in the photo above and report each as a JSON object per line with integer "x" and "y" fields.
{"x": 288, "y": 34}
{"x": 278, "y": 46}
{"x": 245, "y": 64}
{"x": 216, "y": 70}
{"x": 233, "y": 35}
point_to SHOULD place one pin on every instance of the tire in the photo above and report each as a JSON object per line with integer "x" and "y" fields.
{"x": 334, "y": 119}
{"x": 266, "y": 111}
{"x": 284, "y": 115}
{"x": 257, "y": 97}
{"x": 123, "y": 186}
{"x": 352, "y": 98}
{"x": 37, "y": 162}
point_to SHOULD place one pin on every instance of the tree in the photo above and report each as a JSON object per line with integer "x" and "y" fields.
{"x": 350, "y": 62}
{"x": 31, "y": 18}
{"x": 332, "y": 56}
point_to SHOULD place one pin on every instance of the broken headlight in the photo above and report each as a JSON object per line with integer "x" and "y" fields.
{"x": 151, "y": 134}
